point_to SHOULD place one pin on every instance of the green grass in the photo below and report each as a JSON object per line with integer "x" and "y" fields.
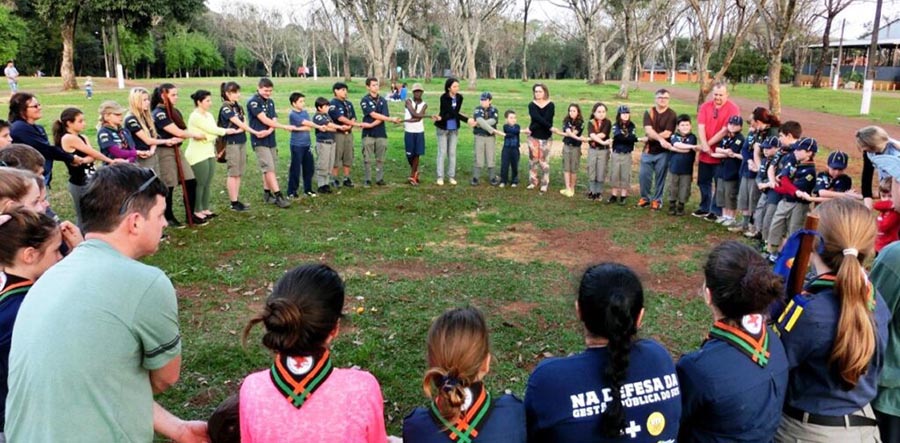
{"x": 409, "y": 253}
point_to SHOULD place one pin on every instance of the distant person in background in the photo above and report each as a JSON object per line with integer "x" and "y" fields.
{"x": 12, "y": 77}
{"x": 24, "y": 112}
{"x": 89, "y": 88}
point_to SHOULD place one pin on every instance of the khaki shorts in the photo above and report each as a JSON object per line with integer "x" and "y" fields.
{"x": 266, "y": 157}
{"x": 726, "y": 193}
{"x": 168, "y": 168}
{"x": 149, "y": 163}
{"x": 343, "y": 149}
{"x": 236, "y": 159}
{"x": 571, "y": 158}
{"x": 620, "y": 170}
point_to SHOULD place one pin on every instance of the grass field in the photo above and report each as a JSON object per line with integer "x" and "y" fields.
{"x": 408, "y": 253}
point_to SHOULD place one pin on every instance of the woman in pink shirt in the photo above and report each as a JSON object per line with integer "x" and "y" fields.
{"x": 302, "y": 397}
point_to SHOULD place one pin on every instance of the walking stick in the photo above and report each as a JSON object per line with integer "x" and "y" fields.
{"x": 801, "y": 260}
{"x": 184, "y": 195}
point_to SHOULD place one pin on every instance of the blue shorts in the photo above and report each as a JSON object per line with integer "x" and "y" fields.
{"x": 415, "y": 143}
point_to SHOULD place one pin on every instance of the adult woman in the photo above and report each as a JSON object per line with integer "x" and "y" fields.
{"x": 835, "y": 334}
{"x": 24, "y": 112}
{"x": 139, "y": 123}
{"x": 874, "y": 141}
{"x": 30, "y": 246}
{"x": 733, "y": 387}
{"x": 763, "y": 124}
{"x": 541, "y": 110}
{"x": 231, "y": 115}
{"x": 448, "y": 122}
{"x": 172, "y": 166}
{"x": 591, "y": 396}
{"x": 202, "y": 154}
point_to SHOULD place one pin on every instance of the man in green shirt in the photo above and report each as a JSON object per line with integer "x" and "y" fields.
{"x": 97, "y": 336}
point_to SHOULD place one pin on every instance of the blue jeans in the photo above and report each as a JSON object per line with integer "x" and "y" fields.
{"x": 301, "y": 157}
{"x": 706, "y": 174}
{"x": 509, "y": 161}
{"x": 653, "y": 172}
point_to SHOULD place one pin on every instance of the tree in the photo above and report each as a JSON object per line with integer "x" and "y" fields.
{"x": 135, "y": 48}
{"x": 779, "y": 17}
{"x": 378, "y": 23}
{"x": 66, "y": 13}
{"x": 501, "y": 46}
{"x": 13, "y": 33}
{"x": 243, "y": 59}
{"x": 474, "y": 14}
{"x": 526, "y": 8}
{"x": 179, "y": 51}
{"x": 258, "y": 30}
{"x": 832, "y": 9}
{"x": 587, "y": 14}
{"x": 423, "y": 27}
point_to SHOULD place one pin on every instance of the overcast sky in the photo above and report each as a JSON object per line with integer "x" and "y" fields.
{"x": 857, "y": 15}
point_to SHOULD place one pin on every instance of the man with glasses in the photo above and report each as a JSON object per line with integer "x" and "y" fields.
{"x": 659, "y": 125}
{"x": 712, "y": 119}
{"x": 98, "y": 334}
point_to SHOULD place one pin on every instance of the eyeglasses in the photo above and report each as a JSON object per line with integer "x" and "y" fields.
{"x": 134, "y": 194}
{"x": 36, "y": 105}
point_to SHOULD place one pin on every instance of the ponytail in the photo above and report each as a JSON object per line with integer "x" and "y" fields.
{"x": 60, "y": 127}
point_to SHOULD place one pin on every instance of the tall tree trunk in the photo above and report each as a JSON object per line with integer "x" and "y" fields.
{"x": 345, "y": 48}
{"x": 625, "y": 84}
{"x": 820, "y": 67}
{"x": 67, "y": 67}
{"x": 428, "y": 67}
{"x": 593, "y": 76}
{"x": 703, "y": 75}
{"x": 773, "y": 87}
{"x": 525, "y": 41}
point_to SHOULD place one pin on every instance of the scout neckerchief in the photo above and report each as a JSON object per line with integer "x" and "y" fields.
{"x": 827, "y": 281}
{"x": 14, "y": 289}
{"x": 794, "y": 308}
{"x": 465, "y": 428}
{"x": 298, "y": 377}
{"x": 751, "y": 339}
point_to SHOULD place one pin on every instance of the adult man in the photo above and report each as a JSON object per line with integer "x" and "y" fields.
{"x": 262, "y": 116}
{"x": 374, "y": 136}
{"x": 12, "y": 77}
{"x": 342, "y": 113}
{"x": 91, "y": 348}
{"x": 659, "y": 125}
{"x": 712, "y": 119}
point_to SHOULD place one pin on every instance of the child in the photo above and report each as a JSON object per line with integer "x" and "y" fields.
{"x": 573, "y": 127}
{"x": 733, "y": 386}
{"x": 301, "y": 155}
{"x": 303, "y": 396}
{"x": 5, "y": 137}
{"x": 624, "y": 139}
{"x": 833, "y": 183}
{"x": 728, "y": 172}
{"x": 795, "y": 181}
{"x": 888, "y": 217}
{"x": 598, "y": 150}
{"x": 835, "y": 334}
{"x": 112, "y": 138}
{"x": 461, "y": 406}
{"x": 89, "y": 88}
{"x": 681, "y": 164}
{"x": 768, "y": 199}
{"x": 414, "y": 131}
{"x": 224, "y": 424}
{"x": 325, "y": 129}
{"x": 588, "y": 396}
{"x": 484, "y": 122}
{"x": 509, "y": 157}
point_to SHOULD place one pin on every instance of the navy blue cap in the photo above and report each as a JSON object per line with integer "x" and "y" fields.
{"x": 837, "y": 160}
{"x": 736, "y": 120}
{"x": 806, "y": 144}
{"x": 771, "y": 142}
{"x": 486, "y": 96}
{"x": 623, "y": 109}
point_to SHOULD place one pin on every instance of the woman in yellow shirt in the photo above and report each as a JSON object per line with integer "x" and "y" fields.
{"x": 201, "y": 154}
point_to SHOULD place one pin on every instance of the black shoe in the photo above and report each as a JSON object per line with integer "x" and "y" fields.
{"x": 336, "y": 184}
{"x": 368, "y": 183}
{"x": 680, "y": 209}
{"x": 347, "y": 182}
{"x": 268, "y": 197}
{"x": 380, "y": 183}
{"x": 175, "y": 224}
{"x": 711, "y": 217}
{"x": 239, "y": 207}
{"x": 700, "y": 213}
{"x": 672, "y": 208}
{"x": 310, "y": 194}
{"x": 324, "y": 189}
{"x": 199, "y": 221}
{"x": 211, "y": 216}
{"x": 612, "y": 199}
{"x": 622, "y": 200}
{"x": 474, "y": 181}
{"x": 293, "y": 195}
{"x": 282, "y": 202}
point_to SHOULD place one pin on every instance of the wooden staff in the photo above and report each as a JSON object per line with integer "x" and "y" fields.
{"x": 184, "y": 194}
{"x": 801, "y": 260}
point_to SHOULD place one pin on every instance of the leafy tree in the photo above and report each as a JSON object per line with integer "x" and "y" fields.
{"x": 135, "y": 48}
{"x": 179, "y": 51}
{"x": 13, "y": 33}
{"x": 243, "y": 59}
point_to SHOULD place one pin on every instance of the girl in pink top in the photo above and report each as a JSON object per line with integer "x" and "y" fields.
{"x": 302, "y": 397}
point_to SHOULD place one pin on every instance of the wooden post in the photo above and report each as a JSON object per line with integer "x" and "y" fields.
{"x": 801, "y": 261}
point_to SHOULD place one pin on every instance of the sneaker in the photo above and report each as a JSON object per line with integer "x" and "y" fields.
{"x": 564, "y": 191}
{"x": 622, "y": 200}
{"x": 347, "y": 182}
{"x": 495, "y": 181}
{"x": 502, "y": 185}
{"x": 474, "y": 181}
{"x": 368, "y": 183}
{"x": 452, "y": 181}
{"x": 544, "y": 188}
{"x": 530, "y": 186}
{"x": 514, "y": 185}
{"x": 751, "y": 232}
{"x": 571, "y": 193}
{"x": 726, "y": 221}
{"x": 282, "y": 202}
{"x": 335, "y": 183}
{"x": 700, "y": 213}
{"x": 380, "y": 183}
{"x": 612, "y": 199}
{"x": 672, "y": 208}
{"x": 711, "y": 217}
{"x": 211, "y": 215}
{"x": 239, "y": 207}
{"x": 656, "y": 205}
{"x": 293, "y": 196}
{"x": 268, "y": 197}
{"x": 175, "y": 224}
{"x": 311, "y": 194}
{"x": 440, "y": 182}
{"x": 680, "y": 209}
{"x": 325, "y": 189}
{"x": 643, "y": 202}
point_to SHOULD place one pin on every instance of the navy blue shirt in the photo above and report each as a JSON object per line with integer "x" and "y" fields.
{"x": 226, "y": 112}
{"x": 108, "y": 137}
{"x": 841, "y": 183}
{"x": 682, "y": 163}
{"x": 772, "y": 197}
{"x": 511, "y": 139}
{"x": 505, "y": 423}
{"x": 728, "y": 397}
{"x": 490, "y": 113}
{"x": 566, "y": 396}
{"x": 133, "y": 126}
{"x": 341, "y": 108}
{"x": 370, "y": 105}
{"x": 747, "y": 155}
{"x": 802, "y": 175}
{"x": 577, "y": 129}
{"x": 161, "y": 120}
{"x": 815, "y": 386}
{"x": 322, "y": 120}
{"x": 36, "y": 137}
{"x": 256, "y": 106}
{"x": 12, "y": 294}
{"x": 729, "y": 168}
{"x": 300, "y": 138}
{"x": 624, "y": 138}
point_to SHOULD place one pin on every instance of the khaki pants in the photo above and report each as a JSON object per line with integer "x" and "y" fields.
{"x": 620, "y": 175}
{"x": 679, "y": 186}
{"x": 795, "y": 431}
{"x": 485, "y": 147}
{"x": 343, "y": 149}
{"x": 374, "y": 148}
{"x": 324, "y": 161}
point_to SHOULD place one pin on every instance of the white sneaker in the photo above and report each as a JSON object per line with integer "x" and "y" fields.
{"x": 543, "y": 189}
{"x": 440, "y": 182}
{"x": 530, "y": 186}
{"x": 513, "y": 185}
{"x": 453, "y": 181}
{"x": 722, "y": 219}
{"x": 729, "y": 222}
{"x": 502, "y": 185}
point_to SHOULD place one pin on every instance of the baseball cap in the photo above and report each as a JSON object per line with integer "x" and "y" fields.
{"x": 807, "y": 144}
{"x": 417, "y": 87}
{"x": 111, "y": 107}
{"x": 486, "y": 96}
{"x": 837, "y": 160}
{"x": 623, "y": 109}
{"x": 735, "y": 120}
{"x": 771, "y": 142}
{"x": 338, "y": 85}
{"x": 888, "y": 165}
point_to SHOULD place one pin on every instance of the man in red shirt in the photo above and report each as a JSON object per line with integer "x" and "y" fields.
{"x": 712, "y": 118}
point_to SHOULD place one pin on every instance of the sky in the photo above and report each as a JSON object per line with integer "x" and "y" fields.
{"x": 857, "y": 15}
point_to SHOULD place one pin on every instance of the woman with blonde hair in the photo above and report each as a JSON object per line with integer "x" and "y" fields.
{"x": 139, "y": 123}
{"x": 876, "y": 145}
{"x": 835, "y": 334}
{"x": 461, "y": 407}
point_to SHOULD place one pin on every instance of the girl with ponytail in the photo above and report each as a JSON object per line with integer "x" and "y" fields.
{"x": 462, "y": 408}
{"x": 620, "y": 388}
{"x": 733, "y": 387}
{"x": 303, "y": 397}
{"x": 835, "y": 334}
{"x": 173, "y": 169}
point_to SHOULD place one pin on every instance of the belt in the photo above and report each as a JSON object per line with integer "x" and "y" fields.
{"x": 325, "y": 141}
{"x": 601, "y": 148}
{"x": 839, "y": 421}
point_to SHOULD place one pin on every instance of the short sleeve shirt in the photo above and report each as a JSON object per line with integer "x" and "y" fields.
{"x": 296, "y": 118}
{"x": 161, "y": 119}
{"x": 576, "y": 128}
{"x": 660, "y": 122}
{"x": 370, "y": 105}
{"x": 86, "y": 342}
{"x": 256, "y": 106}
{"x": 226, "y": 112}
{"x": 322, "y": 120}
{"x": 341, "y": 108}
{"x": 682, "y": 163}
{"x": 133, "y": 126}
{"x": 714, "y": 119}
